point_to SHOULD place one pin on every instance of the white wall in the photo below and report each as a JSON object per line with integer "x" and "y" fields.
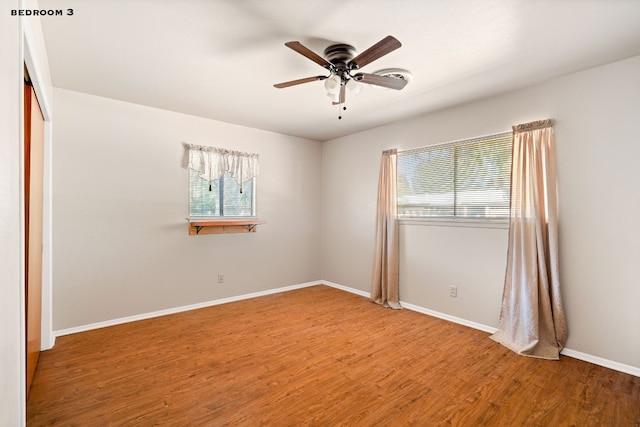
{"x": 597, "y": 148}
{"x": 11, "y": 338}
{"x": 18, "y": 37}
{"x": 120, "y": 203}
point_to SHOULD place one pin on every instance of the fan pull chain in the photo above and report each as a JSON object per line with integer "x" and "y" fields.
{"x": 342, "y": 107}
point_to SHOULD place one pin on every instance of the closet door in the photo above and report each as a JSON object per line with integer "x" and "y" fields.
{"x": 33, "y": 187}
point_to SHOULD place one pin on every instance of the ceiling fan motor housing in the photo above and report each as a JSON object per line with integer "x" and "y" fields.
{"x": 339, "y": 55}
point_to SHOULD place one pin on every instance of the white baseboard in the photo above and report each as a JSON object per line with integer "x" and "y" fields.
{"x": 616, "y": 366}
{"x": 621, "y": 367}
{"x": 346, "y": 288}
{"x": 417, "y": 308}
{"x": 180, "y": 309}
{"x": 606, "y": 363}
{"x": 448, "y": 317}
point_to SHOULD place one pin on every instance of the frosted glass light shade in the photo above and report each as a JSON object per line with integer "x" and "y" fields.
{"x": 354, "y": 86}
{"x": 335, "y": 97}
{"x": 332, "y": 84}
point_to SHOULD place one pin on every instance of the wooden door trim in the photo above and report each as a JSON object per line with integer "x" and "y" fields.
{"x": 34, "y": 63}
{"x": 34, "y": 140}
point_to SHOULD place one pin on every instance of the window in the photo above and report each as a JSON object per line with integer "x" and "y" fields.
{"x": 222, "y": 183}
{"x": 466, "y": 179}
{"x": 220, "y": 198}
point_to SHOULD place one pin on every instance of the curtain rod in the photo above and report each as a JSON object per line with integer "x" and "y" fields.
{"x": 538, "y": 124}
{"x": 189, "y": 146}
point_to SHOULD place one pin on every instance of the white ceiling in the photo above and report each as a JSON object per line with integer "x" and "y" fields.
{"x": 220, "y": 58}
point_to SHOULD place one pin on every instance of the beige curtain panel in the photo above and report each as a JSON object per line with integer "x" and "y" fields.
{"x": 532, "y": 321}
{"x": 385, "y": 282}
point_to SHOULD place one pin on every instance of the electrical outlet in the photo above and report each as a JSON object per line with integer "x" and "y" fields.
{"x": 453, "y": 291}
{"x": 220, "y": 278}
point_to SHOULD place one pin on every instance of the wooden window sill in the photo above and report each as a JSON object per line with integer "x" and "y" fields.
{"x": 224, "y": 226}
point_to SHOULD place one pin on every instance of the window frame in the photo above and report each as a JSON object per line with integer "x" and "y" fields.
{"x": 456, "y": 221}
{"x": 221, "y": 218}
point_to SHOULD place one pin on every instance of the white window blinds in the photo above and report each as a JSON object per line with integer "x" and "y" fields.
{"x": 221, "y": 182}
{"x": 466, "y": 179}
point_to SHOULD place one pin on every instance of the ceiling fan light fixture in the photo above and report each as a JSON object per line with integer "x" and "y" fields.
{"x": 332, "y": 84}
{"x": 335, "y": 97}
{"x": 353, "y": 86}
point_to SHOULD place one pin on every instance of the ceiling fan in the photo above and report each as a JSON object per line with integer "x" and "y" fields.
{"x": 344, "y": 68}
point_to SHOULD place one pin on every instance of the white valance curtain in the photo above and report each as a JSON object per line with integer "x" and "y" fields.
{"x": 532, "y": 321}
{"x": 211, "y": 163}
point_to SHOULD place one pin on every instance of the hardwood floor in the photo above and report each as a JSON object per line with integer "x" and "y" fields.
{"x": 315, "y": 356}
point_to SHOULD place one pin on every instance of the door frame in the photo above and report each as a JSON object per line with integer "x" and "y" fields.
{"x": 36, "y": 64}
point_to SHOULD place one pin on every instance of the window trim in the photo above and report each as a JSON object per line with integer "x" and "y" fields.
{"x": 207, "y": 224}
{"x": 463, "y": 222}
{"x": 221, "y": 218}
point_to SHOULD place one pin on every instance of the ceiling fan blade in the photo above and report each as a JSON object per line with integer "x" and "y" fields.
{"x": 342, "y": 96}
{"x": 299, "y": 81}
{"x": 384, "y": 81}
{"x": 378, "y": 50}
{"x": 303, "y": 50}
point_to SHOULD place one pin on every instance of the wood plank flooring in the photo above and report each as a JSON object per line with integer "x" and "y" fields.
{"x": 315, "y": 357}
